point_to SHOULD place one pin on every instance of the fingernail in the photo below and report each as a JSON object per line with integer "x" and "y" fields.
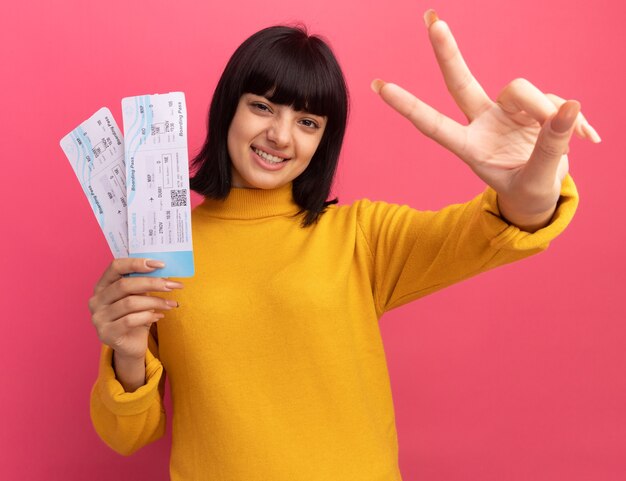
{"x": 171, "y": 303}
{"x": 377, "y": 84}
{"x": 565, "y": 117}
{"x": 173, "y": 285}
{"x": 154, "y": 264}
{"x": 430, "y": 17}
{"x": 591, "y": 132}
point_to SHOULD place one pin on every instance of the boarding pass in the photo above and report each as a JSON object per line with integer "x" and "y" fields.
{"x": 150, "y": 215}
{"x": 157, "y": 167}
{"x": 96, "y": 151}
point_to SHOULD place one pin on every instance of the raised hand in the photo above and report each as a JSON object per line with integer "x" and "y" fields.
{"x": 517, "y": 144}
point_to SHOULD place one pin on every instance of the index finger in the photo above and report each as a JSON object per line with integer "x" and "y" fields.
{"x": 127, "y": 265}
{"x": 462, "y": 85}
{"x": 428, "y": 120}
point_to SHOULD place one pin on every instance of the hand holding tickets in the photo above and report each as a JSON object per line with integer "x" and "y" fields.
{"x": 150, "y": 216}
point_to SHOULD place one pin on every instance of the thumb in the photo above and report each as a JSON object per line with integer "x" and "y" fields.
{"x": 553, "y": 141}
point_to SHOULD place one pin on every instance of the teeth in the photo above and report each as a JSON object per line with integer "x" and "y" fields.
{"x": 272, "y": 159}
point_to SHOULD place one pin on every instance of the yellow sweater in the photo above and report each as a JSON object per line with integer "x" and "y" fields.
{"x": 275, "y": 359}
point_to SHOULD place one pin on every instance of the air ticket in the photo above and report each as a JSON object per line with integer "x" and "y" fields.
{"x": 157, "y": 167}
{"x": 96, "y": 151}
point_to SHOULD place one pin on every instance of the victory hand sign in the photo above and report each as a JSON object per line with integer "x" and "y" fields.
{"x": 518, "y": 144}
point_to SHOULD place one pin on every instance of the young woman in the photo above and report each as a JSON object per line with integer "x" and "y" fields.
{"x": 273, "y": 349}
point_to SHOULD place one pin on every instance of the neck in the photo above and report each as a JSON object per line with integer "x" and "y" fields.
{"x": 251, "y": 203}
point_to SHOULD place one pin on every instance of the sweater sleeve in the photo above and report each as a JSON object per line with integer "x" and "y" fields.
{"x": 128, "y": 421}
{"x": 415, "y": 253}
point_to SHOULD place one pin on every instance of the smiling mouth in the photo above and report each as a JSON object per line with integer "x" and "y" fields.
{"x": 272, "y": 159}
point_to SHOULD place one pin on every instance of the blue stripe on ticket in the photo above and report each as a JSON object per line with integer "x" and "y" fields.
{"x": 177, "y": 264}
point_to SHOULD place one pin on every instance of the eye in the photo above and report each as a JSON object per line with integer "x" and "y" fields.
{"x": 310, "y": 123}
{"x": 261, "y": 106}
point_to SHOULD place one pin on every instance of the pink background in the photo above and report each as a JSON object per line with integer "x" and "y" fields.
{"x": 517, "y": 374}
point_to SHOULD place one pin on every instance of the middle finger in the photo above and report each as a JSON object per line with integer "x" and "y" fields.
{"x": 462, "y": 85}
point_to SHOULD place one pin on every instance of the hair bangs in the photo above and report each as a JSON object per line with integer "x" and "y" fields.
{"x": 292, "y": 76}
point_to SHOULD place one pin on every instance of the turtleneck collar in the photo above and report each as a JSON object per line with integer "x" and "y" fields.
{"x": 252, "y": 204}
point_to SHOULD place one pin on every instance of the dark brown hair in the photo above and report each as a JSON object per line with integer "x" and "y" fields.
{"x": 289, "y": 67}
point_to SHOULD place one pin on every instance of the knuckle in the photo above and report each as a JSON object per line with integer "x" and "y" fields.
{"x": 463, "y": 83}
{"x": 129, "y": 303}
{"x": 127, "y": 321}
{"x": 116, "y": 264}
{"x": 519, "y": 83}
{"x": 101, "y": 334}
{"x": 125, "y": 303}
{"x": 124, "y": 284}
{"x": 92, "y": 303}
{"x": 411, "y": 112}
{"x": 139, "y": 264}
{"x": 436, "y": 126}
{"x": 159, "y": 284}
{"x": 554, "y": 98}
{"x": 136, "y": 319}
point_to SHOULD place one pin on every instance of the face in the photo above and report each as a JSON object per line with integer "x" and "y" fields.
{"x": 271, "y": 144}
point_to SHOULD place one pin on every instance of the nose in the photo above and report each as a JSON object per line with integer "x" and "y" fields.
{"x": 279, "y": 132}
